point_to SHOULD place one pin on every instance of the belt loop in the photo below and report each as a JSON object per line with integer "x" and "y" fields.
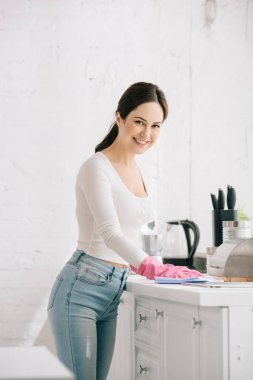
{"x": 77, "y": 256}
{"x": 111, "y": 274}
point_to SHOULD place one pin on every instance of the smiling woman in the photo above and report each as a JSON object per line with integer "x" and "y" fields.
{"x": 113, "y": 202}
{"x": 140, "y": 127}
{"x": 139, "y": 94}
{"x": 140, "y": 113}
{"x": 136, "y": 133}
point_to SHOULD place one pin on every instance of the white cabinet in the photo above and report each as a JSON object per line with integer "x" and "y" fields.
{"x": 147, "y": 362}
{"x": 196, "y": 342}
{"x": 123, "y": 358}
{"x": 181, "y": 340}
{"x": 167, "y": 340}
{"x": 214, "y": 343}
{"x": 183, "y": 333}
{"x": 148, "y": 338}
{"x": 149, "y": 321}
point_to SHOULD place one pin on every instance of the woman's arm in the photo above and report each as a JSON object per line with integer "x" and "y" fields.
{"x": 96, "y": 188}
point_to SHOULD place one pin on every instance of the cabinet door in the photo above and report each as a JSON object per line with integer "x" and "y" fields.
{"x": 213, "y": 343}
{"x": 241, "y": 342}
{"x": 123, "y": 358}
{"x": 149, "y": 321}
{"x": 181, "y": 333}
{"x": 147, "y": 363}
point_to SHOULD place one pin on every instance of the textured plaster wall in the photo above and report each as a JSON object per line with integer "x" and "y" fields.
{"x": 222, "y": 112}
{"x": 210, "y": 142}
{"x": 63, "y": 66}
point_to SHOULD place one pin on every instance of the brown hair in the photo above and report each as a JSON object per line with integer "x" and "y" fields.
{"x": 135, "y": 95}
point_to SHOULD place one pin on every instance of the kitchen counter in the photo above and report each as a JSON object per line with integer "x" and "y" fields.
{"x": 192, "y": 295}
{"x": 209, "y": 330}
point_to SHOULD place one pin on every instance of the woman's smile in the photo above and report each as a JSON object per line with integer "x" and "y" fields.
{"x": 141, "y": 142}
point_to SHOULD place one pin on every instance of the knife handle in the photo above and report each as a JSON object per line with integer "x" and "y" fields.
{"x": 228, "y": 195}
{"x": 231, "y": 198}
{"x": 221, "y": 200}
{"x": 214, "y": 201}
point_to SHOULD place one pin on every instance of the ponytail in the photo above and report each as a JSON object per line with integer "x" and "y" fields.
{"x": 108, "y": 139}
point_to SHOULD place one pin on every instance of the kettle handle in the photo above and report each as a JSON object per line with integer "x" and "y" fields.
{"x": 187, "y": 225}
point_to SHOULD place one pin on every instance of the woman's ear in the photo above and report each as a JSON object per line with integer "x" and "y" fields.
{"x": 118, "y": 119}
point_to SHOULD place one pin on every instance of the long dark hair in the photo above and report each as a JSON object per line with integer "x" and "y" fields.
{"x": 135, "y": 95}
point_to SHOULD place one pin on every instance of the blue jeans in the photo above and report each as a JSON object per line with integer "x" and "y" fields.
{"x": 82, "y": 310}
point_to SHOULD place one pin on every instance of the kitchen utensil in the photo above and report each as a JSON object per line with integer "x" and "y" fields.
{"x": 180, "y": 242}
{"x": 219, "y": 204}
{"x": 219, "y": 214}
{"x": 231, "y": 198}
{"x": 214, "y": 201}
{"x": 221, "y": 200}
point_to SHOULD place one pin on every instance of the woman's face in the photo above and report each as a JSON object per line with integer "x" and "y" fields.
{"x": 141, "y": 128}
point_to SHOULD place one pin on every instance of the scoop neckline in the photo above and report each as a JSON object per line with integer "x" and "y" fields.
{"x": 121, "y": 181}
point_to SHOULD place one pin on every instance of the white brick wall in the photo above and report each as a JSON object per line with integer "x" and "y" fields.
{"x": 63, "y": 66}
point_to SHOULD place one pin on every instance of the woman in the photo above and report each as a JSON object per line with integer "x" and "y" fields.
{"x": 113, "y": 202}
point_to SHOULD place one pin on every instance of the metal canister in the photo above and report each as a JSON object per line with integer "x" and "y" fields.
{"x": 236, "y": 230}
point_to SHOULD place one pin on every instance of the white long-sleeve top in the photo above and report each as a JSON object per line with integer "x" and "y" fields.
{"x": 109, "y": 215}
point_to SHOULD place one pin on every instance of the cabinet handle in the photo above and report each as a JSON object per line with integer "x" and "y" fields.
{"x": 158, "y": 313}
{"x": 142, "y": 318}
{"x": 196, "y": 323}
{"x": 143, "y": 369}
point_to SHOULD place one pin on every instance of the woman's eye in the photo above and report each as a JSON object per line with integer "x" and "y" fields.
{"x": 139, "y": 122}
{"x": 156, "y": 126}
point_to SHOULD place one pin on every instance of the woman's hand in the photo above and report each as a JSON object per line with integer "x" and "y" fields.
{"x": 150, "y": 267}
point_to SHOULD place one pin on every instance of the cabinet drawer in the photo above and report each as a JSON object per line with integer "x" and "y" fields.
{"x": 148, "y": 321}
{"x": 147, "y": 363}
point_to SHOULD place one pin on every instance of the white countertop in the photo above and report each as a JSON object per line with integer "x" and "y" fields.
{"x": 192, "y": 295}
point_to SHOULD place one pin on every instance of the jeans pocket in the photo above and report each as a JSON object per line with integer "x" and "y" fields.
{"x": 54, "y": 291}
{"x": 93, "y": 275}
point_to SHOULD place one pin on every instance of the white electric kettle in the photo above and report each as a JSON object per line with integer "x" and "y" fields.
{"x": 180, "y": 242}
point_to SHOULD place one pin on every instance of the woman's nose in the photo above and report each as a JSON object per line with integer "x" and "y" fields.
{"x": 146, "y": 133}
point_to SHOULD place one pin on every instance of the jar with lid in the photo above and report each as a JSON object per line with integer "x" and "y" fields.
{"x": 235, "y": 230}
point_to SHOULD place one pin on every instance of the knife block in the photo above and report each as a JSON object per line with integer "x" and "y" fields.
{"x": 219, "y": 216}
